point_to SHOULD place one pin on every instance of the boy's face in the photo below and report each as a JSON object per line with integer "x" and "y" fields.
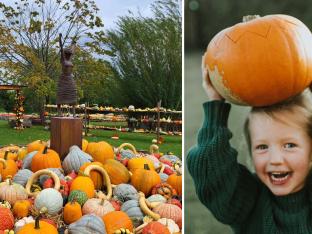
{"x": 281, "y": 151}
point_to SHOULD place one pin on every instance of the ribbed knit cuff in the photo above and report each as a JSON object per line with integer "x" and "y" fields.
{"x": 216, "y": 113}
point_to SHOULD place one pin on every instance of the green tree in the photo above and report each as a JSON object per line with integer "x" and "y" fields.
{"x": 147, "y": 57}
{"x": 29, "y": 51}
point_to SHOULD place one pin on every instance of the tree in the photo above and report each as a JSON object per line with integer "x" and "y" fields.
{"x": 147, "y": 57}
{"x": 29, "y": 52}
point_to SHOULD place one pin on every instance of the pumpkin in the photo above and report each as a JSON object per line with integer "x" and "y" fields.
{"x": 170, "y": 224}
{"x": 97, "y": 206}
{"x": 22, "y": 222}
{"x": 155, "y": 228}
{"x": 84, "y": 145}
{"x": 39, "y": 227}
{"x": 78, "y": 195}
{"x": 8, "y": 155}
{"x": 51, "y": 199}
{"x": 175, "y": 202}
{"x": 6, "y": 219}
{"x": 155, "y": 199}
{"x": 151, "y": 178}
{"x": 100, "y": 151}
{"x": 144, "y": 207}
{"x": 126, "y": 153}
{"x": 8, "y": 168}
{"x": 115, "y": 220}
{"x": 175, "y": 180}
{"x": 75, "y": 159}
{"x": 83, "y": 183}
{"x": 243, "y": 77}
{"x": 36, "y": 146}
{"x": 22, "y": 176}
{"x": 21, "y": 208}
{"x": 133, "y": 210}
{"x": 169, "y": 211}
{"x": 117, "y": 172}
{"x": 72, "y": 212}
{"x": 94, "y": 175}
{"x": 136, "y": 163}
{"x": 87, "y": 224}
{"x": 28, "y": 159}
{"x": 48, "y": 158}
{"x": 105, "y": 177}
{"x": 12, "y": 192}
{"x": 125, "y": 192}
{"x": 21, "y": 153}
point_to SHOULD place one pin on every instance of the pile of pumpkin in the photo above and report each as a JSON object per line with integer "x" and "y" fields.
{"x": 96, "y": 189}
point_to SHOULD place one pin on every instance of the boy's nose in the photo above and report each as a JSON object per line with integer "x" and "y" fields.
{"x": 276, "y": 157}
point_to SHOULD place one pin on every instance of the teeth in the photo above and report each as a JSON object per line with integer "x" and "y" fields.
{"x": 279, "y": 176}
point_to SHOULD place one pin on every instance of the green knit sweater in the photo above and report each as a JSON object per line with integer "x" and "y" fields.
{"x": 232, "y": 193}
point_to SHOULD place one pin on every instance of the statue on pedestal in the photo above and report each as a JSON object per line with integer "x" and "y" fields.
{"x": 66, "y": 86}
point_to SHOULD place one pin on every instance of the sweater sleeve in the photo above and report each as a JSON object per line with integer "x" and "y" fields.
{"x": 223, "y": 185}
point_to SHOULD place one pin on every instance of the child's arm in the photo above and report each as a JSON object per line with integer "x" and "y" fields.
{"x": 227, "y": 188}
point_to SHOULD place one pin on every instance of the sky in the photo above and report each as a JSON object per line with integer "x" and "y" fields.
{"x": 110, "y": 10}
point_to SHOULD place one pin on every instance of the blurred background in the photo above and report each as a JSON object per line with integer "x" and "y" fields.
{"x": 202, "y": 20}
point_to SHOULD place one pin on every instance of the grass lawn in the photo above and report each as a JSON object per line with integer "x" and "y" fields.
{"x": 139, "y": 140}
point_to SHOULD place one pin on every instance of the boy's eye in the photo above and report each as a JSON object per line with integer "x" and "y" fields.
{"x": 261, "y": 147}
{"x": 290, "y": 145}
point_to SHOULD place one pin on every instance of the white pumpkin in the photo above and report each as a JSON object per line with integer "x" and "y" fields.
{"x": 50, "y": 199}
{"x": 96, "y": 206}
{"x": 22, "y": 222}
{"x": 12, "y": 192}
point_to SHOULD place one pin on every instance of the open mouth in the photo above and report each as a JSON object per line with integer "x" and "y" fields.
{"x": 279, "y": 178}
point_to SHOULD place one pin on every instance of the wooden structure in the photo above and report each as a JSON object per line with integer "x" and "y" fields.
{"x": 19, "y": 100}
{"x": 65, "y": 132}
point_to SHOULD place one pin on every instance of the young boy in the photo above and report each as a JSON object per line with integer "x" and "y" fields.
{"x": 278, "y": 198}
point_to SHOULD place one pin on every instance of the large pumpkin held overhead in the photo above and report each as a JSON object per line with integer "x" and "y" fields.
{"x": 261, "y": 61}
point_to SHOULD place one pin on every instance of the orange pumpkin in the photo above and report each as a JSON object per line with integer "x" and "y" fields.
{"x": 8, "y": 155}
{"x": 21, "y": 208}
{"x": 175, "y": 181}
{"x": 155, "y": 228}
{"x": 95, "y": 176}
{"x": 8, "y": 168}
{"x": 117, "y": 172}
{"x": 144, "y": 179}
{"x": 38, "y": 227}
{"x": 45, "y": 159}
{"x": 83, "y": 183}
{"x": 100, "y": 151}
{"x": 135, "y": 163}
{"x": 84, "y": 145}
{"x": 115, "y": 220}
{"x": 72, "y": 212}
{"x": 261, "y": 61}
{"x": 36, "y": 145}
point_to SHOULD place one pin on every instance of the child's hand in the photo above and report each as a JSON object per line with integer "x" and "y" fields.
{"x": 211, "y": 92}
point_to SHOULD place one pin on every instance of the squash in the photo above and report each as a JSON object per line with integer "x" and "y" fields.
{"x": 72, "y": 212}
{"x": 75, "y": 159}
{"x": 95, "y": 176}
{"x": 117, "y": 172}
{"x": 21, "y": 208}
{"x": 133, "y": 210}
{"x": 22, "y": 176}
{"x": 21, "y": 153}
{"x": 97, "y": 206}
{"x": 278, "y": 67}
{"x": 58, "y": 171}
{"x": 22, "y": 222}
{"x": 87, "y": 224}
{"x": 126, "y": 153}
{"x": 36, "y": 146}
{"x": 155, "y": 228}
{"x": 151, "y": 178}
{"x": 51, "y": 199}
{"x": 12, "y": 192}
{"x": 8, "y": 155}
{"x": 6, "y": 219}
{"x": 83, "y": 183}
{"x": 84, "y": 145}
{"x": 39, "y": 227}
{"x": 47, "y": 159}
{"x": 125, "y": 192}
{"x": 164, "y": 189}
{"x": 170, "y": 224}
{"x": 100, "y": 151}
{"x": 28, "y": 159}
{"x": 78, "y": 195}
{"x": 169, "y": 211}
{"x": 115, "y": 220}
{"x": 175, "y": 180}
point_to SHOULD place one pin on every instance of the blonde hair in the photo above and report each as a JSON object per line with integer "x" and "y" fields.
{"x": 301, "y": 104}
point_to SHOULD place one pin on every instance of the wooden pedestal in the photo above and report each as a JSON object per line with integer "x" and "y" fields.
{"x": 65, "y": 132}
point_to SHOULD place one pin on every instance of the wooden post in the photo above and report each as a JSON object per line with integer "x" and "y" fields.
{"x": 65, "y": 132}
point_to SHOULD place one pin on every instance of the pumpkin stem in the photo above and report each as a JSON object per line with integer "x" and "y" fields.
{"x": 248, "y": 18}
{"x": 146, "y": 167}
{"x": 45, "y": 150}
{"x": 102, "y": 201}
{"x": 37, "y": 226}
{"x": 6, "y": 155}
